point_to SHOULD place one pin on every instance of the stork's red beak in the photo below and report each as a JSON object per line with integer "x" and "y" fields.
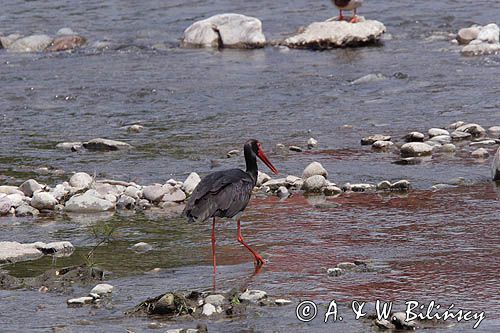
{"x": 264, "y": 159}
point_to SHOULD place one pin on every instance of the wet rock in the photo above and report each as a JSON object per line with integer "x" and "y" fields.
{"x": 314, "y": 184}
{"x": 474, "y": 129}
{"x": 282, "y": 192}
{"x": 215, "y": 300}
{"x": 7, "y": 189}
{"x": 399, "y": 320}
{"x": 253, "y": 295}
{"x": 142, "y": 247}
{"x": 88, "y": 203}
{"x": 35, "y": 43}
{"x": 415, "y": 149}
{"x": 311, "y": 143}
{"x": 5, "y": 206}
{"x": 334, "y": 271}
{"x": 80, "y": 301}
{"x": 274, "y": 184}
{"x": 495, "y": 130}
{"x": 448, "y": 148}
{"x": 225, "y": 30}
{"x": 65, "y": 31}
{"x": 262, "y": 178}
{"x": 12, "y": 252}
{"x": 174, "y": 195}
{"x": 484, "y": 143}
{"x": 208, "y": 309}
{"x": 125, "y": 202}
{"x": 81, "y": 180}
{"x": 58, "y": 249}
{"x": 382, "y": 145}
{"x": 155, "y": 193}
{"x": 331, "y": 190}
{"x": 347, "y": 266}
{"x": 495, "y": 166}
{"x": 191, "y": 182}
{"x": 373, "y": 138}
{"x": 441, "y": 139}
{"x": 384, "y": 185}
{"x": 102, "y": 289}
{"x": 135, "y": 128}
{"x": 295, "y": 149}
{"x": 6, "y": 41}
{"x": 402, "y": 185}
{"x": 489, "y": 33}
{"x": 332, "y": 34}
{"x": 458, "y": 135}
{"x": 100, "y": 144}
{"x": 25, "y": 210}
{"x": 43, "y": 200}
{"x": 65, "y": 43}
{"x": 467, "y": 35}
{"x": 29, "y": 187}
{"x": 73, "y": 146}
{"x": 478, "y": 49}
{"x": 437, "y": 131}
{"x": 414, "y": 137}
{"x": 281, "y": 301}
{"x": 294, "y": 181}
{"x": 370, "y": 78}
{"x": 232, "y": 153}
{"x": 313, "y": 169}
{"x": 16, "y": 199}
{"x": 480, "y": 153}
{"x": 384, "y": 324}
{"x": 133, "y": 192}
{"x": 362, "y": 187}
{"x": 144, "y": 204}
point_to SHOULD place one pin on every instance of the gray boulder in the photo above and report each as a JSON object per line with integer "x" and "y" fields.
{"x": 29, "y": 187}
{"x": 26, "y": 210}
{"x": 467, "y": 35}
{"x": 174, "y": 195}
{"x": 414, "y": 137}
{"x": 369, "y": 140}
{"x": 473, "y": 129}
{"x": 155, "y": 193}
{"x": 437, "y": 131}
{"x": 415, "y": 149}
{"x": 332, "y": 34}
{"x": 6, "y": 41}
{"x": 81, "y": 180}
{"x": 225, "y": 30}
{"x": 313, "y": 169}
{"x": 480, "y": 153}
{"x": 35, "y": 43}
{"x": 125, "y": 202}
{"x": 43, "y": 200}
{"x": 88, "y": 203}
{"x": 314, "y": 184}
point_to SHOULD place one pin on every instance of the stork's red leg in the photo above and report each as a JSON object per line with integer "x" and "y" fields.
{"x": 341, "y": 17}
{"x": 354, "y": 18}
{"x": 258, "y": 259}
{"x": 213, "y": 246}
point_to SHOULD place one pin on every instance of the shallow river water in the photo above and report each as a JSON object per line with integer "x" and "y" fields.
{"x": 198, "y": 104}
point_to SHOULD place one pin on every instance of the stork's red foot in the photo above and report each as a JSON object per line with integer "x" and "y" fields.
{"x": 340, "y": 18}
{"x": 354, "y": 19}
{"x": 259, "y": 261}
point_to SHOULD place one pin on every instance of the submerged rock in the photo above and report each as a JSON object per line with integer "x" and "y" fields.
{"x": 370, "y": 78}
{"x": 313, "y": 169}
{"x": 399, "y": 320}
{"x": 332, "y": 34}
{"x": 314, "y": 184}
{"x": 481, "y": 49}
{"x": 225, "y": 30}
{"x": 253, "y": 295}
{"x": 480, "y": 153}
{"x": 100, "y": 144}
{"x": 369, "y": 140}
{"x": 35, "y": 43}
{"x": 25, "y": 210}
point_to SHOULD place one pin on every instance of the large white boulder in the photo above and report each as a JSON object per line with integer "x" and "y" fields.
{"x": 313, "y": 169}
{"x": 81, "y": 180}
{"x": 35, "y": 43}
{"x": 191, "y": 182}
{"x": 43, "y": 200}
{"x": 225, "y": 30}
{"x": 88, "y": 203}
{"x": 331, "y": 34}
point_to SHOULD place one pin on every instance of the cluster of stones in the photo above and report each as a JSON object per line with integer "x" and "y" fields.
{"x": 357, "y": 266}
{"x": 99, "y": 144}
{"x": 12, "y": 252}
{"x": 479, "y": 40}
{"x": 240, "y": 31}
{"x": 93, "y": 297}
{"x": 64, "y": 40}
{"x": 314, "y": 181}
{"x": 418, "y": 144}
{"x": 82, "y": 194}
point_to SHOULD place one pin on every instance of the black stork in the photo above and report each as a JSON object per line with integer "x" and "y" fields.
{"x": 226, "y": 194}
{"x": 348, "y": 5}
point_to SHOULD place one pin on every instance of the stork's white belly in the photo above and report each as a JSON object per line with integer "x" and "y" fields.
{"x": 353, "y": 4}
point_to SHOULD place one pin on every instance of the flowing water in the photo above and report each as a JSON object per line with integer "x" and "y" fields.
{"x": 198, "y": 104}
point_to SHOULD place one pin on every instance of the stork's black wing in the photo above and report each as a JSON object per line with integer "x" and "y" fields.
{"x": 222, "y": 194}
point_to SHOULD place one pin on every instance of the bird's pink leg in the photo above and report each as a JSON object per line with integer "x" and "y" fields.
{"x": 354, "y": 18}
{"x": 213, "y": 246}
{"x": 341, "y": 17}
{"x": 258, "y": 259}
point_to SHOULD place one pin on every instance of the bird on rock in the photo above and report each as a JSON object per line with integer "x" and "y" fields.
{"x": 343, "y": 5}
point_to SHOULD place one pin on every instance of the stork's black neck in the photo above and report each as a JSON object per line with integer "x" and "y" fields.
{"x": 251, "y": 162}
